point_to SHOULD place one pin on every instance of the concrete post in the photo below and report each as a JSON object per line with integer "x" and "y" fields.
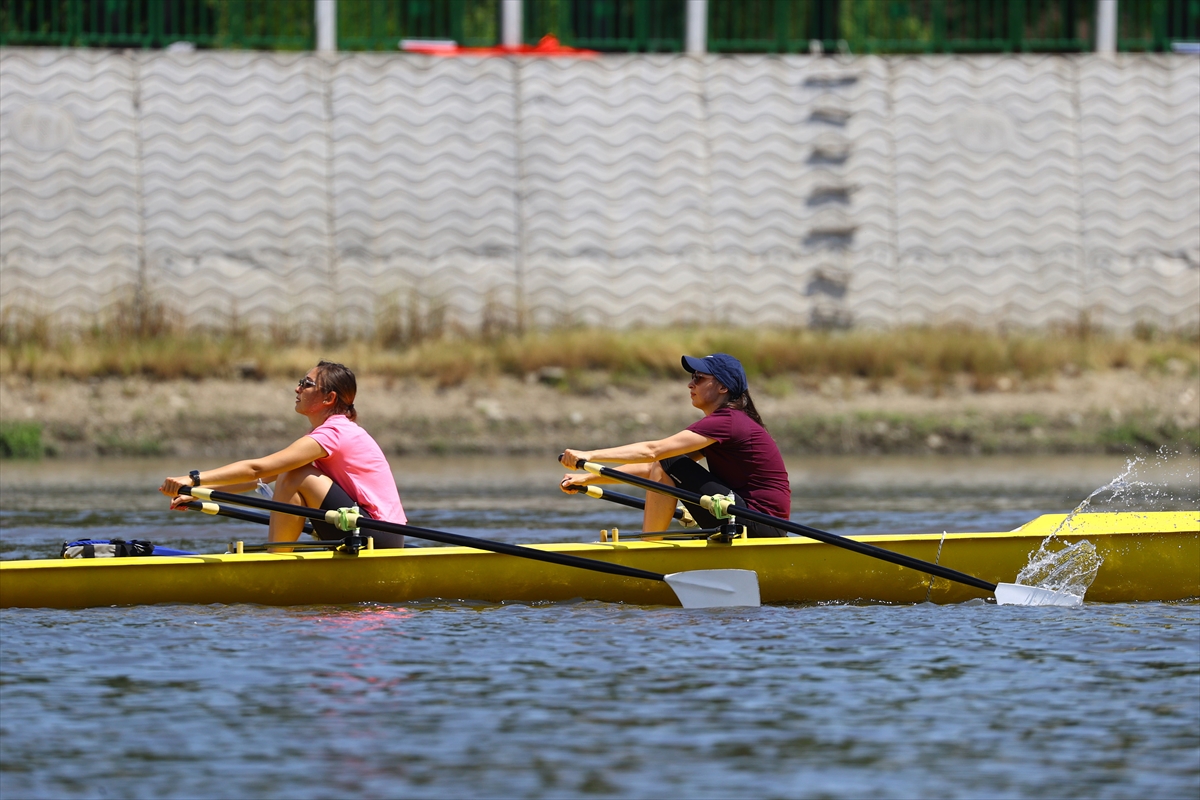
{"x": 696, "y": 39}
{"x": 510, "y": 23}
{"x": 1106, "y": 27}
{"x": 326, "y": 26}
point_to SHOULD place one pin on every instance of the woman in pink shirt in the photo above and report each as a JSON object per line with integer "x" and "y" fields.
{"x": 336, "y": 465}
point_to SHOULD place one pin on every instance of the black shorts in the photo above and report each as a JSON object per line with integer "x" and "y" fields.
{"x": 337, "y": 498}
{"x": 692, "y": 477}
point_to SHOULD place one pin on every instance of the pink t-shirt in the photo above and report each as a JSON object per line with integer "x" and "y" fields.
{"x": 356, "y": 464}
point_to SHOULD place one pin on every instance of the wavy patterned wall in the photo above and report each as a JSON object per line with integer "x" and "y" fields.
{"x": 69, "y": 215}
{"x": 234, "y": 162}
{"x": 1140, "y": 139}
{"x": 987, "y": 190}
{"x": 389, "y": 192}
{"x": 614, "y": 169}
{"x": 424, "y": 177}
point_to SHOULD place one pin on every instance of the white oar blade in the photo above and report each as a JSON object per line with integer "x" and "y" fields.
{"x": 715, "y": 588}
{"x": 1014, "y": 594}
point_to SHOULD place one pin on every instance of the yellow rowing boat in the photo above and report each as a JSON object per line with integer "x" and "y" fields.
{"x": 1152, "y": 556}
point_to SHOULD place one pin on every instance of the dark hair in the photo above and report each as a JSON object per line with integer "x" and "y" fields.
{"x": 743, "y": 402}
{"x": 335, "y": 377}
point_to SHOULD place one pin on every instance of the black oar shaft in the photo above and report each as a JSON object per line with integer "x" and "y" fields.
{"x": 243, "y": 515}
{"x": 618, "y": 498}
{"x": 437, "y": 536}
{"x": 742, "y": 513}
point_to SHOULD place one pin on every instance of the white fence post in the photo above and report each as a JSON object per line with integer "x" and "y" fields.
{"x": 697, "y": 27}
{"x": 510, "y": 23}
{"x": 1106, "y": 27}
{"x": 326, "y": 11}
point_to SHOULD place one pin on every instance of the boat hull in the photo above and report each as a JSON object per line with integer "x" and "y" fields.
{"x": 1146, "y": 557}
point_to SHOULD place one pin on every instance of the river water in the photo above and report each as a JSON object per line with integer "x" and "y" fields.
{"x": 461, "y": 699}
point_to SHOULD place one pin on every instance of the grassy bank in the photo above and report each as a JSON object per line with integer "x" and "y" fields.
{"x": 919, "y": 359}
{"x": 965, "y": 432}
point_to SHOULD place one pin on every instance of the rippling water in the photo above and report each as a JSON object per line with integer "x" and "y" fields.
{"x": 457, "y": 699}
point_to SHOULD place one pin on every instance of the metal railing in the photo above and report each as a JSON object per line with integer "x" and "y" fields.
{"x": 383, "y": 24}
{"x": 251, "y": 24}
{"x": 629, "y": 26}
{"x": 1157, "y": 25}
{"x": 734, "y": 26}
{"x": 772, "y": 26}
{"x": 957, "y": 26}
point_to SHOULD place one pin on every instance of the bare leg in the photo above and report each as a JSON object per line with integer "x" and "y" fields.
{"x": 660, "y": 508}
{"x": 304, "y": 486}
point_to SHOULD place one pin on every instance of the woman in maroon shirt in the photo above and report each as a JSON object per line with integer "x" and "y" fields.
{"x": 742, "y": 457}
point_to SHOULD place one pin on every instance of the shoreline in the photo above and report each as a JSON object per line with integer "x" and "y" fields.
{"x": 1109, "y": 412}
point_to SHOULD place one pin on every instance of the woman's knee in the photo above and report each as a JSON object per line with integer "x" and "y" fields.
{"x": 658, "y": 474}
{"x": 305, "y": 481}
{"x": 289, "y": 482}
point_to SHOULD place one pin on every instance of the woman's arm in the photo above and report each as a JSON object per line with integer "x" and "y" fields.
{"x": 680, "y": 444}
{"x": 304, "y": 450}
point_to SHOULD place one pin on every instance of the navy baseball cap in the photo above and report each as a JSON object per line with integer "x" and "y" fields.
{"x": 722, "y": 366}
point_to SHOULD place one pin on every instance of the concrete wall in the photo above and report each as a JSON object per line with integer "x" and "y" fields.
{"x": 362, "y": 189}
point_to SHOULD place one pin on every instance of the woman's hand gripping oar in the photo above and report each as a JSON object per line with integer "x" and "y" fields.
{"x": 721, "y": 507}
{"x": 702, "y": 588}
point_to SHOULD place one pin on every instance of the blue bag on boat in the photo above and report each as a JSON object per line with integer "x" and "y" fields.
{"x": 116, "y": 548}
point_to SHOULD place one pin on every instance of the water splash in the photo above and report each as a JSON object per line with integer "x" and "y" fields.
{"x": 1072, "y": 567}
{"x": 1060, "y": 566}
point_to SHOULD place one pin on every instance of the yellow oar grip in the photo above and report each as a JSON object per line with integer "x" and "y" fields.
{"x": 593, "y": 468}
{"x": 596, "y": 492}
{"x": 210, "y": 508}
{"x": 201, "y": 493}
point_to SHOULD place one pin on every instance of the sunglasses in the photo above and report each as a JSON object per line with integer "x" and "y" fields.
{"x": 305, "y": 383}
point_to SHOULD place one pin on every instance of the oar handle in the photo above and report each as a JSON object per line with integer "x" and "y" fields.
{"x": 743, "y": 513}
{"x": 444, "y": 537}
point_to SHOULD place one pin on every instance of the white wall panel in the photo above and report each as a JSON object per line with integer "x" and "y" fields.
{"x": 1140, "y": 135}
{"x": 69, "y": 234}
{"x": 234, "y": 163}
{"x": 424, "y": 182}
{"x": 367, "y": 189}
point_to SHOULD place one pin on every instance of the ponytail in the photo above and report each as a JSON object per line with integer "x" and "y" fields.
{"x": 744, "y": 402}
{"x": 337, "y": 378}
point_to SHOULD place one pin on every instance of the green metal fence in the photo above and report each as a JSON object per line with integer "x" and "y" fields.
{"x": 771, "y": 26}
{"x": 900, "y": 26}
{"x": 254, "y": 24}
{"x": 628, "y": 26}
{"x": 734, "y": 26}
{"x": 383, "y": 24}
{"x": 956, "y": 26}
{"x": 1157, "y": 25}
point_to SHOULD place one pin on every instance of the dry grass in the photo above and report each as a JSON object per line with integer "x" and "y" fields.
{"x": 914, "y": 357}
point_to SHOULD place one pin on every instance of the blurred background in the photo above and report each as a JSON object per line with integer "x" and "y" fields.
{"x": 285, "y": 165}
{"x": 932, "y": 195}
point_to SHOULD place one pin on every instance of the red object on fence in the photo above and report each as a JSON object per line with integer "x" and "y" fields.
{"x": 547, "y": 47}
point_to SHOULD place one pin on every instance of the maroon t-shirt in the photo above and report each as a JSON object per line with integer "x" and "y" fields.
{"x": 746, "y": 459}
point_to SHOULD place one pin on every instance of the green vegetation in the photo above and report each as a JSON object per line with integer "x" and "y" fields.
{"x": 918, "y": 359}
{"x": 117, "y": 445}
{"x": 996, "y": 434}
{"x": 20, "y": 440}
{"x": 375, "y": 25}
